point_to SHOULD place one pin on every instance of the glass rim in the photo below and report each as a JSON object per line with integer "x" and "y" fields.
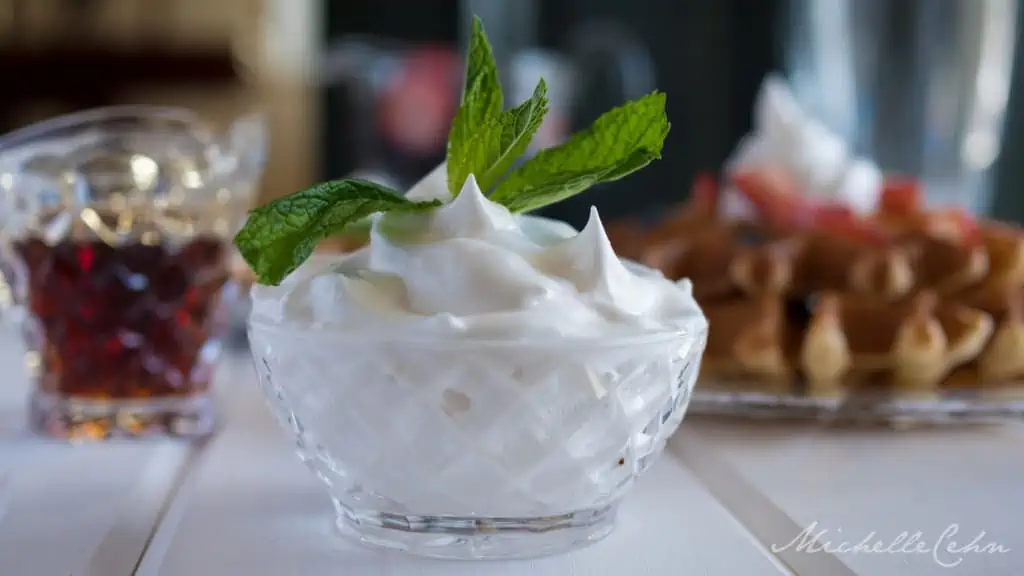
{"x": 91, "y": 117}
{"x": 432, "y": 342}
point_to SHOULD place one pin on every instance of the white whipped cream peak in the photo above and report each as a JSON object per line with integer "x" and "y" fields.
{"x": 819, "y": 161}
{"x": 589, "y": 261}
{"x": 471, "y": 269}
{"x": 433, "y": 186}
{"x": 471, "y": 213}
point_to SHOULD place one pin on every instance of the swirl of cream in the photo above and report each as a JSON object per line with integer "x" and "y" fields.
{"x": 471, "y": 269}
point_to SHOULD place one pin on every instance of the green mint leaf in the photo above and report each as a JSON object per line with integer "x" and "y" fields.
{"x": 482, "y": 100}
{"x": 279, "y": 236}
{"x": 492, "y": 149}
{"x": 620, "y": 142}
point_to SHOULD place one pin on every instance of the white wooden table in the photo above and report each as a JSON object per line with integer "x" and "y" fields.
{"x": 728, "y": 499}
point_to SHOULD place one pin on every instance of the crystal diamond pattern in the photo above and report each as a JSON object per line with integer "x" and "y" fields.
{"x": 132, "y": 321}
{"x": 494, "y": 433}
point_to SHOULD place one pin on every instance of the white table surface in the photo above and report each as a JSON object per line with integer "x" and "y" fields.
{"x": 725, "y": 500}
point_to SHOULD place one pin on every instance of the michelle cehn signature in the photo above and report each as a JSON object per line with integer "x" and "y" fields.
{"x": 948, "y": 549}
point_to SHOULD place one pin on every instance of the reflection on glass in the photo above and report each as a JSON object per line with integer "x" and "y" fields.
{"x": 920, "y": 85}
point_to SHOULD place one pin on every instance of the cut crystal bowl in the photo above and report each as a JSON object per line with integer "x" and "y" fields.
{"x": 476, "y": 449}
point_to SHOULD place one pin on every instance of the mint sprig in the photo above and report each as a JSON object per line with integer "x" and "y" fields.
{"x": 485, "y": 141}
{"x": 619, "y": 143}
{"x": 482, "y": 98}
{"x": 491, "y": 150}
{"x": 281, "y": 235}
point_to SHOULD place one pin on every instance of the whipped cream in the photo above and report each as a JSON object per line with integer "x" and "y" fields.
{"x": 820, "y": 162}
{"x": 472, "y": 270}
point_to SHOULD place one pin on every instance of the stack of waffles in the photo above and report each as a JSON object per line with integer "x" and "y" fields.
{"x": 816, "y": 299}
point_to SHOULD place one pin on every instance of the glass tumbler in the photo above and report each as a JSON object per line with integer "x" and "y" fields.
{"x": 114, "y": 230}
{"x": 921, "y": 86}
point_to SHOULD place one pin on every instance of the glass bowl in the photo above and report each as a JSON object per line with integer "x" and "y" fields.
{"x": 471, "y": 448}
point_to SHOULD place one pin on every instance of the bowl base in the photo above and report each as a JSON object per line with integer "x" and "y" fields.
{"x": 76, "y": 419}
{"x": 476, "y": 537}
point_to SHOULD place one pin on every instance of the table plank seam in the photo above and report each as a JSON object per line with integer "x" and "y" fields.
{"x": 124, "y": 542}
{"x": 5, "y": 494}
{"x": 767, "y": 525}
{"x": 161, "y": 537}
{"x": 184, "y": 470}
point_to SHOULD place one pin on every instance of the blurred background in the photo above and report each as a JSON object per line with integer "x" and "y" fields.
{"x": 351, "y": 86}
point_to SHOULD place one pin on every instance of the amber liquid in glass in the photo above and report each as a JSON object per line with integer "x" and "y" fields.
{"x": 132, "y": 322}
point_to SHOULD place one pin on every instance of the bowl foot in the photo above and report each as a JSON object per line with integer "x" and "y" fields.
{"x": 475, "y": 537}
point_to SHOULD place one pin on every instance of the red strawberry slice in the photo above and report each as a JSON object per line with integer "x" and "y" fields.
{"x": 774, "y": 195}
{"x": 704, "y": 194}
{"x": 901, "y": 196}
{"x": 841, "y": 220}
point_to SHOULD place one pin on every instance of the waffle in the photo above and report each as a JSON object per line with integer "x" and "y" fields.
{"x": 822, "y": 302}
{"x": 750, "y": 341}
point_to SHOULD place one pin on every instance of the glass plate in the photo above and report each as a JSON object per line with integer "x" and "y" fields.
{"x": 952, "y": 406}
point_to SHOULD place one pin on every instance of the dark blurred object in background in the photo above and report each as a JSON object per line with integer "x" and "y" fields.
{"x": 399, "y": 96}
{"x": 58, "y": 56}
{"x": 385, "y": 114}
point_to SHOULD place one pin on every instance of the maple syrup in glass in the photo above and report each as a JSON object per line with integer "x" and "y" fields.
{"x": 116, "y": 248}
